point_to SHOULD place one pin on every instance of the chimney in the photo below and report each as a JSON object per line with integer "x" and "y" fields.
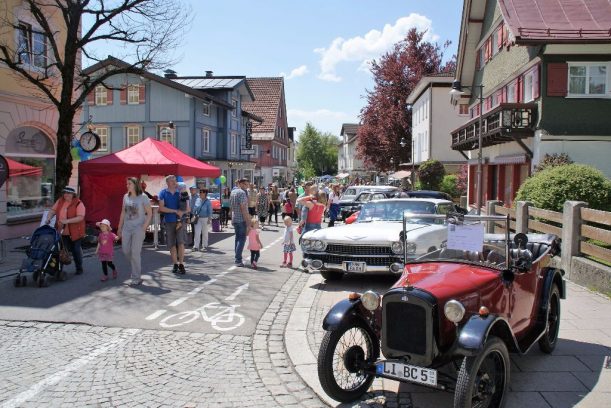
{"x": 209, "y": 74}
{"x": 170, "y": 74}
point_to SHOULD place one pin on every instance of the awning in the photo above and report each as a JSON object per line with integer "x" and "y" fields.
{"x": 509, "y": 159}
{"x": 401, "y": 174}
{"x": 19, "y": 169}
{"x": 342, "y": 175}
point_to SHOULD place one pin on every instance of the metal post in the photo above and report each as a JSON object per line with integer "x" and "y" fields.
{"x": 480, "y": 189}
{"x": 413, "y": 166}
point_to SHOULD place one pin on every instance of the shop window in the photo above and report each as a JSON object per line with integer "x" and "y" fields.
{"x": 31, "y": 160}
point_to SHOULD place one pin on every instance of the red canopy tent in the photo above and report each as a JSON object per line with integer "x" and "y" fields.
{"x": 19, "y": 169}
{"x": 102, "y": 180}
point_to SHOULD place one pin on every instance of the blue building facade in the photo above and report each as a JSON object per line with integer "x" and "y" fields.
{"x": 205, "y": 123}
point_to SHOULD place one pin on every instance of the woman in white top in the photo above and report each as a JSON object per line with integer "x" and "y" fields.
{"x": 333, "y": 204}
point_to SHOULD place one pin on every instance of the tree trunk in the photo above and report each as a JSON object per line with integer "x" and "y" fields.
{"x": 63, "y": 168}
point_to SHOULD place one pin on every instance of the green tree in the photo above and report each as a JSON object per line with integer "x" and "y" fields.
{"x": 317, "y": 152}
{"x": 550, "y": 188}
{"x": 430, "y": 174}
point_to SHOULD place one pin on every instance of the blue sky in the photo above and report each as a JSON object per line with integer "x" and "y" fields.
{"x": 321, "y": 46}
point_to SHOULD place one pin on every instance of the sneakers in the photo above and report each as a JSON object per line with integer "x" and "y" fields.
{"x": 195, "y": 249}
{"x": 289, "y": 265}
{"x": 239, "y": 264}
{"x": 283, "y": 265}
{"x": 104, "y": 278}
{"x": 135, "y": 282}
{"x": 114, "y": 274}
{"x": 181, "y": 269}
{"x": 175, "y": 268}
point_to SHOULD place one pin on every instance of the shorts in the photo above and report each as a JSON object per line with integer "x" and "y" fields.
{"x": 252, "y": 211}
{"x": 174, "y": 237}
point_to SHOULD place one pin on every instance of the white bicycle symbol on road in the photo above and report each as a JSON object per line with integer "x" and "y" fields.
{"x": 221, "y": 317}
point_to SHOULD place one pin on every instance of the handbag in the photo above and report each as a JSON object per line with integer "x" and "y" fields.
{"x": 64, "y": 257}
{"x": 194, "y": 219}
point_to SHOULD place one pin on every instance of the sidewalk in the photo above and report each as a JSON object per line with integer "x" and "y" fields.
{"x": 577, "y": 374}
{"x": 12, "y": 253}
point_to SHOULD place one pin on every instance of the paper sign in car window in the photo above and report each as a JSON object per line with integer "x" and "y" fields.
{"x": 466, "y": 237}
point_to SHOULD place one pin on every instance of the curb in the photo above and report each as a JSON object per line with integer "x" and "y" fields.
{"x": 296, "y": 340}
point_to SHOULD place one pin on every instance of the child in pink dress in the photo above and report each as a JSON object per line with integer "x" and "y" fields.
{"x": 254, "y": 243}
{"x": 105, "y": 249}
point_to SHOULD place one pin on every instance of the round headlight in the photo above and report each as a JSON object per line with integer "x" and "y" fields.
{"x": 306, "y": 243}
{"x": 370, "y": 300}
{"x": 397, "y": 247}
{"x": 411, "y": 247}
{"x": 454, "y": 310}
{"x": 318, "y": 245}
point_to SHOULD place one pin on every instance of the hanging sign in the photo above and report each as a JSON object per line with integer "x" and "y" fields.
{"x": 248, "y": 135}
{"x": 3, "y": 170}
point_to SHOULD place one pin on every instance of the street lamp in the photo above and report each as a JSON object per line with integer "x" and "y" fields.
{"x": 457, "y": 90}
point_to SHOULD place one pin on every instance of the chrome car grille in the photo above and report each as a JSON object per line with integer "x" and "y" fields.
{"x": 358, "y": 250}
{"x": 338, "y": 259}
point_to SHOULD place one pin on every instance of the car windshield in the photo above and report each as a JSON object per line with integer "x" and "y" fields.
{"x": 394, "y": 210}
{"x": 363, "y": 198}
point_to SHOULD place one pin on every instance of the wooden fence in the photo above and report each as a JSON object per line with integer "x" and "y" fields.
{"x": 584, "y": 231}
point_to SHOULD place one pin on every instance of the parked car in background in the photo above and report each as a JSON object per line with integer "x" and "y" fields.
{"x": 351, "y": 192}
{"x": 347, "y": 208}
{"x": 374, "y": 244}
{"x": 450, "y": 320}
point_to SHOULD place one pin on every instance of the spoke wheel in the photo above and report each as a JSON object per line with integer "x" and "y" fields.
{"x": 483, "y": 379}
{"x": 341, "y": 360}
{"x": 548, "y": 342}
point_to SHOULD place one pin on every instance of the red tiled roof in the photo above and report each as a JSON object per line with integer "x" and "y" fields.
{"x": 558, "y": 21}
{"x": 268, "y": 94}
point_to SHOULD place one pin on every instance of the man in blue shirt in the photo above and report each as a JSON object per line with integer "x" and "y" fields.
{"x": 240, "y": 218}
{"x": 169, "y": 205}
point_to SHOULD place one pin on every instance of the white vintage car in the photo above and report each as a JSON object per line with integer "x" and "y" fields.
{"x": 373, "y": 243}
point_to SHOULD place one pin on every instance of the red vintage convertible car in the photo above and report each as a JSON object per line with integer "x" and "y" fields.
{"x": 451, "y": 319}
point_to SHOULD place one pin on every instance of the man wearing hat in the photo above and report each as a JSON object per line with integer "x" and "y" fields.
{"x": 70, "y": 222}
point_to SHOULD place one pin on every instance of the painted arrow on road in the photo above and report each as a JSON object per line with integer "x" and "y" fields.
{"x": 237, "y": 292}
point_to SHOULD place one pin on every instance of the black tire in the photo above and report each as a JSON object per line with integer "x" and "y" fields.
{"x": 548, "y": 342}
{"x": 359, "y": 344}
{"x": 24, "y": 281}
{"x": 474, "y": 387}
{"x": 331, "y": 275}
{"x": 17, "y": 282}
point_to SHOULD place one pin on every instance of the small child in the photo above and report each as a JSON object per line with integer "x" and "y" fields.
{"x": 183, "y": 205}
{"x": 104, "y": 251}
{"x": 288, "y": 243}
{"x": 254, "y": 243}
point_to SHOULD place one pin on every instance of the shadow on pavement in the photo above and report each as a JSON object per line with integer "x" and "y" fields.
{"x": 358, "y": 282}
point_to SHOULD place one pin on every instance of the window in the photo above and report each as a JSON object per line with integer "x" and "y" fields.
{"x": 234, "y": 144}
{"x": 103, "y": 133}
{"x": 101, "y": 95}
{"x": 205, "y": 141}
{"x": 511, "y": 92}
{"x": 528, "y": 87}
{"x": 133, "y": 94}
{"x": 206, "y": 109}
{"x": 133, "y": 135}
{"x": 256, "y": 149}
{"x": 495, "y": 41}
{"x": 463, "y": 109}
{"x": 234, "y": 112}
{"x": 166, "y": 134}
{"x": 31, "y": 46}
{"x": 588, "y": 79}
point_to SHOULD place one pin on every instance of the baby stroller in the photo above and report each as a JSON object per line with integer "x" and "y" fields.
{"x": 43, "y": 258}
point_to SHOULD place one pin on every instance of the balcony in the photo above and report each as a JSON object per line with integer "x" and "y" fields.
{"x": 508, "y": 122}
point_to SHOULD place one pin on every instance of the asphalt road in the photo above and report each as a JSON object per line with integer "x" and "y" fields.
{"x": 213, "y": 297}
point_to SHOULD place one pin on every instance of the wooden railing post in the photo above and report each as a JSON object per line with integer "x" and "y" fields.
{"x": 490, "y": 210}
{"x": 571, "y": 233}
{"x": 522, "y": 216}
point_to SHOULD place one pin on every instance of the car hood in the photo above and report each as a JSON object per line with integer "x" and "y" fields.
{"x": 364, "y": 232}
{"x": 446, "y": 280}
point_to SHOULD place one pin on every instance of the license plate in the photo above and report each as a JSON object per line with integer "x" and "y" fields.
{"x": 407, "y": 372}
{"x": 355, "y": 266}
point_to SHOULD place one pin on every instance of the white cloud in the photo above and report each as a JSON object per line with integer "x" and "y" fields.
{"x": 297, "y": 72}
{"x": 323, "y": 119}
{"x": 371, "y": 45}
